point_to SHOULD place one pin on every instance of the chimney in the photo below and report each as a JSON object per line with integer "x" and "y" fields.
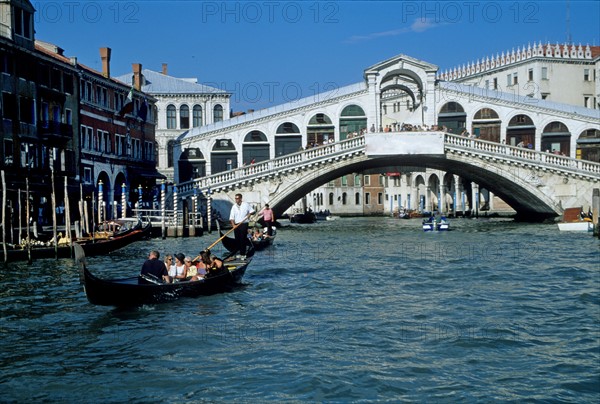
{"x": 105, "y": 56}
{"x": 164, "y": 69}
{"x": 137, "y": 76}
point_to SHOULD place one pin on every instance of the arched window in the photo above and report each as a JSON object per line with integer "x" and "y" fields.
{"x": 352, "y": 121}
{"x": 330, "y": 198}
{"x": 344, "y": 198}
{"x": 197, "y": 116}
{"x": 171, "y": 117}
{"x": 184, "y": 117}
{"x": 218, "y": 113}
{"x": 357, "y": 198}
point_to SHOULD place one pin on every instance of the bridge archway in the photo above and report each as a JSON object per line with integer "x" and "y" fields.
{"x": 588, "y": 145}
{"x": 224, "y": 156}
{"x": 486, "y": 125}
{"x": 288, "y": 139}
{"x": 192, "y": 164}
{"x": 255, "y": 148}
{"x": 520, "y": 129}
{"x": 433, "y": 186}
{"x": 452, "y": 115}
{"x": 353, "y": 120}
{"x": 320, "y": 129}
{"x": 515, "y": 188}
{"x": 556, "y": 138}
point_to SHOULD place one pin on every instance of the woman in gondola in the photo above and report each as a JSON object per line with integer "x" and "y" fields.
{"x": 212, "y": 264}
{"x": 180, "y": 272}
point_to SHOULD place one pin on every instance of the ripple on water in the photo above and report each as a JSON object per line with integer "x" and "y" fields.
{"x": 357, "y": 309}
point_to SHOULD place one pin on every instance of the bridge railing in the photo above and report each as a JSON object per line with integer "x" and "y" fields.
{"x": 275, "y": 166}
{"x": 293, "y": 161}
{"x": 522, "y": 153}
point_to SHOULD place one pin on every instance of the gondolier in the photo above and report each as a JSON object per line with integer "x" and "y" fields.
{"x": 240, "y": 211}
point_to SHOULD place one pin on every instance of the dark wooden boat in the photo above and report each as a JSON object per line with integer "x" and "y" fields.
{"x": 258, "y": 245}
{"x": 306, "y": 217}
{"x": 138, "y": 290}
{"x": 91, "y": 247}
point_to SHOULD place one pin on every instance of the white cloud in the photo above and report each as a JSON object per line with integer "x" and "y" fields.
{"x": 419, "y": 25}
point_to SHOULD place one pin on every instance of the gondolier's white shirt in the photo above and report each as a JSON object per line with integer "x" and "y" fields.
{"x": 239, "y": 213}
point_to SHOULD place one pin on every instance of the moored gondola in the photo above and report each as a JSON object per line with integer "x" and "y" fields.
{"x": 91, "y": 246}
{"x": 139, "y": 290}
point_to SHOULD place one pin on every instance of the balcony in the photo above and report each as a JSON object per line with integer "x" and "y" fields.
{"x": 53, "y": 130}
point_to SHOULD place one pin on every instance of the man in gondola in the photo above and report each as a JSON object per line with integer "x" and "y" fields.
{"x": 154, "y": 267}
{"x": 240, "y": 211}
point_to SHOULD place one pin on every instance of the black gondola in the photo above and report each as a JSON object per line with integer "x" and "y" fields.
{"x": 306, "y": 217}
{"x": 230, "y": 244}
{"x": 91, "y": 247}
{"x": 138, "y": 290}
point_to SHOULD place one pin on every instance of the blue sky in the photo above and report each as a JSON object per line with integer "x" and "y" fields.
{"x": 269, "y": 52}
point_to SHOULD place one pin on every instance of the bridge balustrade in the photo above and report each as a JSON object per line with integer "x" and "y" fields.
{"x": 521, "y": 153}
{"x": 275, "y": 166}
{"x": 297, "y": 160}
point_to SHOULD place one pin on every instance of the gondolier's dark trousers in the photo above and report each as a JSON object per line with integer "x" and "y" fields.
{"x": 268, "y": 224}
{"x": 241, "y": 237}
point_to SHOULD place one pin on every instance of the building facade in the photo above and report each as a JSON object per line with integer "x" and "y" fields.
{"x": 400, "y": 94}
{"x": 181, "y": 104}
{"x": 69, "y": 133}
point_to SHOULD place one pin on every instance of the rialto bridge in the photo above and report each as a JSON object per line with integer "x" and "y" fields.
{"x": 531, "y": 153}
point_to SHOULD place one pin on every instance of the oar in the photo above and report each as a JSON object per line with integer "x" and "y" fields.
{"x": 224, "y": 235}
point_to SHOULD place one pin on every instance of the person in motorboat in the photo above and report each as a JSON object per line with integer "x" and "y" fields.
{"x": 154, "y": 268}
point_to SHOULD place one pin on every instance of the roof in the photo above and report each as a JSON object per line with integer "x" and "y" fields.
{"x": 157, "y": 83}
{"x": 57, "y": 53}
{"x": 278, "y": 109}
{"x": 510, "y": 97}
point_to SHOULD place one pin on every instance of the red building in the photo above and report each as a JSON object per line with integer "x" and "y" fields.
{"x": 63, "y": 121}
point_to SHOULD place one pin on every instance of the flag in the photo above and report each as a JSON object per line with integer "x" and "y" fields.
{"x": 127, "y": 104}
{"x": 143, "y": 112}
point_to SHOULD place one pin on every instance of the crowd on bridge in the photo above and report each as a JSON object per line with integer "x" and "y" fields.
{"x": 408, "y": 127}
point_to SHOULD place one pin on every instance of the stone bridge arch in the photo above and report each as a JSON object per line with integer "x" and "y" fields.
{"x": 522, "y": 188}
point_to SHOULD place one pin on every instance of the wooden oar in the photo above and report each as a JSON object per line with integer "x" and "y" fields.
{"x": 224, "y": 235}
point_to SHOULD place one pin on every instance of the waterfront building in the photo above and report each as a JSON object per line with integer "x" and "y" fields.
{"x": 404, "y": 94}
{"x": 67, "y": 124}
{"x": 181, "y": 104}
{"x": 560, "y": 73}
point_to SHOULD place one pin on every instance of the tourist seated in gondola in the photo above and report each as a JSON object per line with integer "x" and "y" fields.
{"x": 258, "y": 235}
{"x": 154, "y": 268}
{"x": 191, "y": 269}
{"x": 179, "y": 273}
{"x": 211, "y": 263}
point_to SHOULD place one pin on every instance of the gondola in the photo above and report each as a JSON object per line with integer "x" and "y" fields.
{"x": 230, "y": 244}
{"x": 304, "y": 218}
{"x": 91, "y": 247}
{"x": 140, "y": 290}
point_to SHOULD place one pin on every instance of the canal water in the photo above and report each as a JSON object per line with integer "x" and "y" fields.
{"x": 356, "y": 309}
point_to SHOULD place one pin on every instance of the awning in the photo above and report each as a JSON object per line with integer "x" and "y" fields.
{"x": 151, "y": 174}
